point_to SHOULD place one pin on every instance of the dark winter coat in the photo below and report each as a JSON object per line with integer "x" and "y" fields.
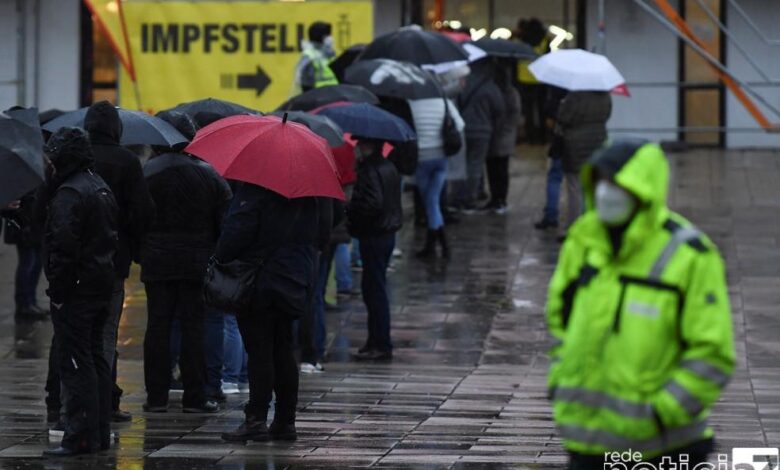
{"x": 375, "y": 208}
{"x": 191, "y": 200}
{"x": 505, "y": 133}
{"x": 80, "y": 240}
{"x": 121, "y": 169}
{"x": 282, "y": 236}
{"x": 554, "y": 97}
{"x": 582, "y": 117}
{"x": 481, "y": 103}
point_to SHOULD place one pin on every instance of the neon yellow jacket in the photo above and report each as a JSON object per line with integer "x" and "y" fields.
{"x": 321, "y": 74}
{"x": 643, "y": 339}
{"x": 523, "y": 74}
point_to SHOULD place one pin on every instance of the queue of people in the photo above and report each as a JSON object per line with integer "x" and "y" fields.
{"x": 628, "y": 264}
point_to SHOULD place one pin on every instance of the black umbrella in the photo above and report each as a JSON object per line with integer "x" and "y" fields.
{"x": 412, "y": 44}
{"x": 211, "y": 106}
{"x": 138, "y": 128}
{"x": 326, "y": 95}
{"x": 49, "y": 114}
{"x": 393, "y": 79}
{"x": 339, "y": 64}
{"x": 323, "y": 126}
{"x": 21, "y": 154}
{"x": 506, "y": 49}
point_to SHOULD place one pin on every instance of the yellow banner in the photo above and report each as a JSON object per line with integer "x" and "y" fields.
{"x": 245, "y": 52}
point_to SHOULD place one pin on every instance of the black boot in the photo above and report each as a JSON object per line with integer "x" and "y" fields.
{"x": 445, "y": 245}
{"x": 430, "y": 245}
{"x": 282, "y": 432}
{"x": 252, "y": 429}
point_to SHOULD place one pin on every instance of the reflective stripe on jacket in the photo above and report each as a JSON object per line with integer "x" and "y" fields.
{"x": 643, "y": 338}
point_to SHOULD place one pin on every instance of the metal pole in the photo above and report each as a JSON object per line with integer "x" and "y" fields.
{"x": 749, "y": 21}
{"x": 731, "y": 38}
{"x": 37, "y": 62}
{"x": 21, "y": 53}
{"x": 706, "y": 55}
{"x": 601, "y": 43}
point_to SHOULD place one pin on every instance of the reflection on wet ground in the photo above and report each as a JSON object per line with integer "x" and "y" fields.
{"x": 466, "y": 388}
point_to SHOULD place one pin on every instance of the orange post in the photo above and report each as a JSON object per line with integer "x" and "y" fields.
{"x": 683, "y": 27}
{"x": 438, "y": 10}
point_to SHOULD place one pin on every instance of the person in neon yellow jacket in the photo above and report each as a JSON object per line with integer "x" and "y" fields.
{"x": 639, "y": 314}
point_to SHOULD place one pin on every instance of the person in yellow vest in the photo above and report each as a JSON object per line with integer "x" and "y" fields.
{"x": 313, "y": 70}
{"x": 533, "y": 93}
{"x": 639, "y": 313}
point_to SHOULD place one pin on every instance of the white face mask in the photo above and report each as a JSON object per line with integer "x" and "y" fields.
{"x": 614, "y": 205}
{"x": 328, "y": 41}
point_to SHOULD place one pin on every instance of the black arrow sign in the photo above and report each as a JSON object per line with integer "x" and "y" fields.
{"x": 258, "y": 81}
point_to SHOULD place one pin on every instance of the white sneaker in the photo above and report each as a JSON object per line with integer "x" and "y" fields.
{"x": 230, "y": 388}
{"x": 397, "y": 253}
{"x": 243, "y": 387}
{"x": 309, "y": 368}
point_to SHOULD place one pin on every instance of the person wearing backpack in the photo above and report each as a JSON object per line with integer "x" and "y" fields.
{"x": 432, "y": 121}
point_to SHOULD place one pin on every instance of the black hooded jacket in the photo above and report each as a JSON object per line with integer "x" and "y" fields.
{"x": 122, "y": 171}
{"x": 80, "y": 240}
{"x": 191, "y": 200}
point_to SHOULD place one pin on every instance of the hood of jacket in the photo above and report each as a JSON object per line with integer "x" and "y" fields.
{"x": 103, "y": 123}
{"x": 641, "y": 168}
{"x": 69, "y": 151}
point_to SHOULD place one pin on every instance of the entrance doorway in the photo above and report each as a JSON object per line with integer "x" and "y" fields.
{"x": 701, "y": 94}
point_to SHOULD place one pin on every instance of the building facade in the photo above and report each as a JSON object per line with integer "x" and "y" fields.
{"x": 54, "y": 57}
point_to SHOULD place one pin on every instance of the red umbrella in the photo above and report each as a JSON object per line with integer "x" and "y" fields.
{"x": 269, "y": 151}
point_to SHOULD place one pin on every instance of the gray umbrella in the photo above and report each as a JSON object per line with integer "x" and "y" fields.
{"x": 321, "y": 125}
{"x": 393, "y": 79}
{"x": 138, "y": 128}
{"x": 21, "y": 154}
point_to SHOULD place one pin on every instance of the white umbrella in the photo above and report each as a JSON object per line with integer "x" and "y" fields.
{"x": 578, "y": 70}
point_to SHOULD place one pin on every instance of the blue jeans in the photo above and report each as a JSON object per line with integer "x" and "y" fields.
{"x": 28, "y": 271}
{"x": 355, "y": 254}
{"x": 343, "y": 271}
{"x": 376, "y": 253}
{"x": 554, "y": 178}
{"x": 235, "y": 354}
{"x": 215, "y": 353}
{"x": 431, "y": 176}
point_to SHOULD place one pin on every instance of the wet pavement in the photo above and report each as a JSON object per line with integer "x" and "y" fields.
{"x": 466, "y": 388}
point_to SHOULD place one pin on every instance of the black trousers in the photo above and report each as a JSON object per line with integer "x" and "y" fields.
{"x": 166, "y": 300}
{"x": 85, "y": 374}
{"x": 376, "y": 253}
{"x": 498, "y": 177}
{"x": 268, "y": 339}
{"x": 306, "y": 324}
{"x": 54, "y": 399}
{"x": 533, "y": 97}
